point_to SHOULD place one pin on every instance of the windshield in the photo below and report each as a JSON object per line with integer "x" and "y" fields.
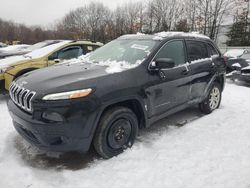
{"x": 246, "y": 56}
{"x": 41, "y": 45}
{"x": 123, "y": 50}
{"x": 38, "y": 53}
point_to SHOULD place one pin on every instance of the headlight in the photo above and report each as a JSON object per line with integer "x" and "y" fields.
{"x": 68, "y": 95}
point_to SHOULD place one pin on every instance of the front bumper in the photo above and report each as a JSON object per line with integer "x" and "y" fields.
{"x": 241, "y": 76}
{"x": 2, "y": 87}
{"x": 73, "y": 134}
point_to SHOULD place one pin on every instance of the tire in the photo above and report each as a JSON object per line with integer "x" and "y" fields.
{"x": 116, "y": 131}
{"x": 212, "y": 101}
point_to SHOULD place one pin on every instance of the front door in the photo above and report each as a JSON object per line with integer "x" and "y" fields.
{"x": 65, "y": 54}
{"x": 169, "y": 88}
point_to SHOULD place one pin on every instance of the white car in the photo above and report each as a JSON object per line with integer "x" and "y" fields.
{"x": 235, "y": 53}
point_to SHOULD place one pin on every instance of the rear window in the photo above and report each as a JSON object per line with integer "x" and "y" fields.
{"x": 196, "y": 50}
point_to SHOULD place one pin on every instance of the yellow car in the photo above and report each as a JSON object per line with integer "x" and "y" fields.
{"x": 13, "y": 67}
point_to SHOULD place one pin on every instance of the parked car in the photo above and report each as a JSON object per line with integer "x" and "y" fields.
{"x": 2, "y": 45}
{"x": 246, "y": 56}
{"x": 13, "y": 67}
{"x": 241, "y": 74}
{"x": 235, "y": 59}
{"x": 121, "y": 87}
{"x": 24, "y": 49}
{"x": 234, "y": 53}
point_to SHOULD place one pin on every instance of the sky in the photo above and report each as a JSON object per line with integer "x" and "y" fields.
{"x": 44, "y": 12}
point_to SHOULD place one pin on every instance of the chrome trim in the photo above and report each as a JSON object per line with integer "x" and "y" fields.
{"x": 22, "y": 97}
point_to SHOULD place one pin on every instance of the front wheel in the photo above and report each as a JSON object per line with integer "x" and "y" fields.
{"x": 212, "y": 101}
{"x": 116, "y": 132}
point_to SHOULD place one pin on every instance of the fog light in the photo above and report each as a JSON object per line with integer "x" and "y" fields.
{"x": 52, "y": 116}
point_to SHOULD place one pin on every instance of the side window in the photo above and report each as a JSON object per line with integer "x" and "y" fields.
{"x": 89, "y": 48}
{"x": 70, "y": 52}
{"x": 196, "y": 50}
{"x": 211, "y": 50}
{"x": 173, "y": 50}
{"x": 53, "y": 56}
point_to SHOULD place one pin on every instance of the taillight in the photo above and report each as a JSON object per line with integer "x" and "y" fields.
{"x": 225, "y": 60}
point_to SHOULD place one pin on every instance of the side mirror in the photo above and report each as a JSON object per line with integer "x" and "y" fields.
{"x": 163, "y": 63}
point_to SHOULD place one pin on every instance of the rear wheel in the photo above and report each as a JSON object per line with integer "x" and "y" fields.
{"x": 212, "y": 101}
{"x": 116, "y": 132}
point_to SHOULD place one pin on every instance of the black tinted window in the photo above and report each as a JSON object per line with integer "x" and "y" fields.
{"x": 173, "y": 50}
{"x": 211, "y": 50}
{"x": 69, "y": 53}
{"x": 196, "y": 50}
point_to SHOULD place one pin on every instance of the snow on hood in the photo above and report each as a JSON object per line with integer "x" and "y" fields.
{"x": 246, "y": 68}
{"x": 231, "y": 73}
{"x": 46, "y": 50}
{"x": 236, "y": 65}
{"x": 80, "y": 59}
{"x": 164, "y": 34}
{"x": 6, "y": 62}
{"x": 18, "y": 47}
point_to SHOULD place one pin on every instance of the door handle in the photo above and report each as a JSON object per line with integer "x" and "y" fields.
{"x": 186, "y": 71}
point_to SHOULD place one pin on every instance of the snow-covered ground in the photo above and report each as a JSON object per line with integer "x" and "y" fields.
{"x": 208, "y": 151}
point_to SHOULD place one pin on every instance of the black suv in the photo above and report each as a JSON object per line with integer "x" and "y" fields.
{"x": 121, "y": 87}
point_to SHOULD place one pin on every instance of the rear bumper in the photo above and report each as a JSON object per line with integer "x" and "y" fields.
{"x": 73, "y": 134}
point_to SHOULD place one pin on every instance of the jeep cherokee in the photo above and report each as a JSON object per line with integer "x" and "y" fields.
{"x": 121, "y": 87}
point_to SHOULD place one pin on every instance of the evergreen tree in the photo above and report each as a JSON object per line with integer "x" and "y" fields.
{"x": 239, "y": 35}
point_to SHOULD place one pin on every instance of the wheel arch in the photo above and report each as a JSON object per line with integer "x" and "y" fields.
{"x": 21, "y": 72}
{"x": 220, "y": 79}
{"x": 134, "y": 104}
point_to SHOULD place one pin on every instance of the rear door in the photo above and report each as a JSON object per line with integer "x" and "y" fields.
{"x": 201, "y": 67}
{"x": 169, "y": 88}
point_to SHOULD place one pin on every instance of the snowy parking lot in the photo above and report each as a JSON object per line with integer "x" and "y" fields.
{"x": 184, "y": 150}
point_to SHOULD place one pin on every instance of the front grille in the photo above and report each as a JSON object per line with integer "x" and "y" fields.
{"x": 21, "y": 97}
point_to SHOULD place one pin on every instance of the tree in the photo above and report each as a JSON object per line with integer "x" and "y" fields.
{"x": 182, "y": 25}
{"x": 239, "y": 34}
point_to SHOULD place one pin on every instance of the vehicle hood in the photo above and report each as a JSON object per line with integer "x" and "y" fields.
{"x": 4, "y": 54}
{"x": 62, "y": 78}
{"x": 10, "y": 61}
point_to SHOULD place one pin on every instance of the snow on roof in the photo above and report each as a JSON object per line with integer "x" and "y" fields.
{"x": 166, "y": 34}
{"x": 46, "y": 50}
